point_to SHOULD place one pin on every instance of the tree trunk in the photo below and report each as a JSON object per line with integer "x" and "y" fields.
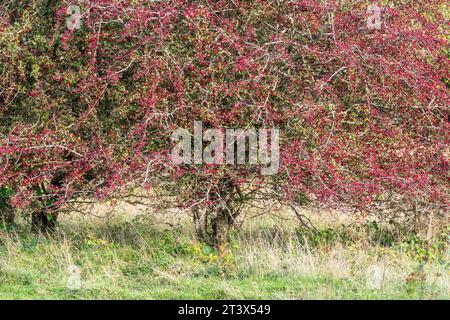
{"x": 7, "y": 215}
{"x": 201, "y": 225}
{"x": 213, "y": 226}
{"x": 221, "y": 225}
{"x": 43, "y": 221}
{"x": 214, "y": 223}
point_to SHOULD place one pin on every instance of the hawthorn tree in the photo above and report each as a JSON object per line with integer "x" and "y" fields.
{"x": 89, "y": 112}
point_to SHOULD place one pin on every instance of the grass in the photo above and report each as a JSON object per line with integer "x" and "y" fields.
{"x": 145, "y": 259}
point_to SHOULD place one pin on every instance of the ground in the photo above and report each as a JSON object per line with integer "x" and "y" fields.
{"x": 149, "y": 257}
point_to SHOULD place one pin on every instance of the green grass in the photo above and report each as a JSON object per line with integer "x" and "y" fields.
{"x": 143, "y": 259}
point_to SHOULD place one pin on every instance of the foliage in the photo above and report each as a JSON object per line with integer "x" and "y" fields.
{"x": 363, "y": 114}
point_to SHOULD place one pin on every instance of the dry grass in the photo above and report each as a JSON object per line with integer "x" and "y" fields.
{"x": 142, "y": 256}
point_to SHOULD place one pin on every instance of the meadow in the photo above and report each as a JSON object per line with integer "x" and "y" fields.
{"x": 157, "y": 257}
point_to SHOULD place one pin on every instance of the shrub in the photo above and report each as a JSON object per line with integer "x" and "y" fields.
{"x": 362, "y": 113}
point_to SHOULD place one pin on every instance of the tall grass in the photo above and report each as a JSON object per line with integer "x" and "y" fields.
{"x": 144, "y": 258}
